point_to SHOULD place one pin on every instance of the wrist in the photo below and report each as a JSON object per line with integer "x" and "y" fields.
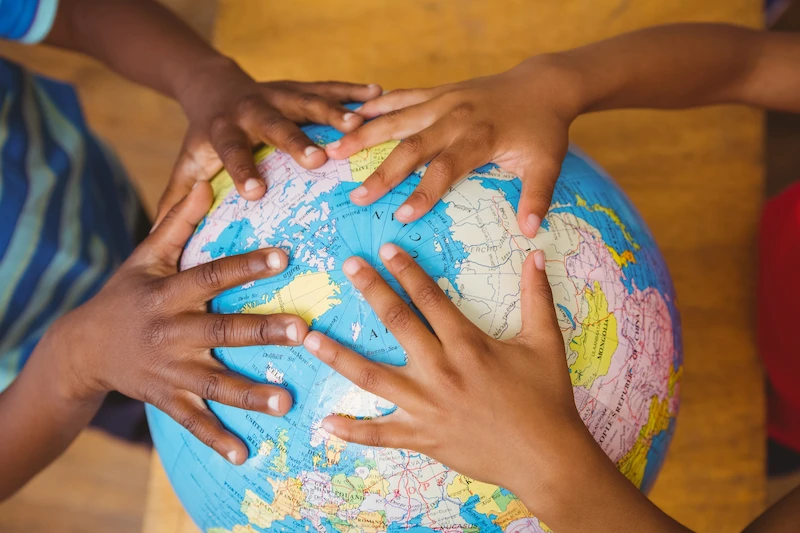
{"x": 191, "y": 85}
{"x": 72, "y": 377}
{"x": 559, "y": 79}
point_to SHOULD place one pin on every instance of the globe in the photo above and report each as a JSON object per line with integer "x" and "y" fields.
{"x": 612, "y": 294}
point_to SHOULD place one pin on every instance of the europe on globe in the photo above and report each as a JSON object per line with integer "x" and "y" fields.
{"x": 613, "y": 296}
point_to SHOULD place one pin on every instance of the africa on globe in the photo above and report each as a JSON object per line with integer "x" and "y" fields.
{"x": 613, "y": 296}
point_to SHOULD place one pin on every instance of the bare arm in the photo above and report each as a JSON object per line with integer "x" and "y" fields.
{"x": 689, "y": 65}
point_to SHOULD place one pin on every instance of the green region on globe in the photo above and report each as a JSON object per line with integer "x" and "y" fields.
{"x": 613, "y": 296}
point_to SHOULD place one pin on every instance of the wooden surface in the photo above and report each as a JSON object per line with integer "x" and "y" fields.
{"x": 696, "y": 176}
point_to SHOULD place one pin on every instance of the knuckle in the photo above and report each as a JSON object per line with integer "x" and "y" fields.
{"x": 544, "y": 293}
{"x": 443, "y": 166}
{"x": 156, "y": 296}
{"x": 373, "y": 438}
{"x": 218, "y": 124}
{"x": 541, "y": 197}
{"x": 230, "y": 150}
{"x": 209, "y": 386}
{"x": 463, "y": 110}
{"x": 263, "y": 332}
{"x": 151, "y": 393}
{"x": 398, "y": 317}
{"x": 368, "y": 378}
{"x": 220, "y": 330}
{"x": 296, "y": 140}
{"x": 191, "y": 422}
{"x": 412, "y": 145}
{"x": 209, "y": 276}
{"x": 247, "y": 399}
{"x": 271, "y": 123}
{"x": 370, "y": 285}
{"x": 307, "y": 100}
{"x": 485, "y": 131}
{"x": 429, "y": 295}
{"x": 249, "y": 104}
{"x": 392, "y": 117}
{"x": 422, "y": 196}
{"x": 156, "y": 334}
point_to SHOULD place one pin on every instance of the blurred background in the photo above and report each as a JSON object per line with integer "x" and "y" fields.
{"x": 714, "y": 166}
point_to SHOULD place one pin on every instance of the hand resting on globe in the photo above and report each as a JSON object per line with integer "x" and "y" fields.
{"x": 499, "y": 411}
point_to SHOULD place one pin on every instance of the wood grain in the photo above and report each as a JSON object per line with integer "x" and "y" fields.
{"x": 696, "y": 176}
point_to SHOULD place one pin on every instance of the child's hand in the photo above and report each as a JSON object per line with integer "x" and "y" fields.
{"x": 518, "y": 119}
{"x": 229, "y": 112}
{"x": 463, "y": 396}
{"x": 147, "y": 333}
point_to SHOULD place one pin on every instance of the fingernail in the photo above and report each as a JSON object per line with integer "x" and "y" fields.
{"x": 538, "y": 259}
{"x": 310, "y": 150}
{"x": 274, "y": 260}
{"x": 327, "y": 425}
{"x": 388, "y": 251}
{"x": 373, "y": 86}
{"x": 274, "y": 403}
{"x": 356, "y": 110}
{"x": 351, "y": 266}
{"x": 348, "y": 116}
{"x": 196, "y": 183}
{"x": 533, "y": 223}
{"x": 251, "y": 184}
{"x": 335, "y": 144}
{"x": 405, "y": 212}
{"x": 233, "y": 455}
{"x": 312, "y": 342}
{"x": 291, "y": 333}
{"x": 359, "y": 192}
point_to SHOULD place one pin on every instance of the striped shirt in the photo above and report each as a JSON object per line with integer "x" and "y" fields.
{"x": 67, "y": 211}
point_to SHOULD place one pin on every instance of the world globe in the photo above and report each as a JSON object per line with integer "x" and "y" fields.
{"x": 612, "y": 294}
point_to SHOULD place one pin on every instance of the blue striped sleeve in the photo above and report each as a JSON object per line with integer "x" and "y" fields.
{"x": 27, "y": 21}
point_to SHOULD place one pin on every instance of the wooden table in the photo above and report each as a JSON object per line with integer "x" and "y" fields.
{"x": 696, "y": 176}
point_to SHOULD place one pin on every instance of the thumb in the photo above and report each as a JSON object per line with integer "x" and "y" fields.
{"x": 538, "y": 312}
{"x": 383, "y": 432}
{"x": 538, "y": 182}
{"x": 166, "y": 241}
{"x": 184, "y": 176}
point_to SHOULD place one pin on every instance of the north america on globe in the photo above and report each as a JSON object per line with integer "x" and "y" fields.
{"x": 613, "y": 296}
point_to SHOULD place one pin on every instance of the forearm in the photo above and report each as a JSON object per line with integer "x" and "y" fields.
{"x": 687, "y": 65}
{"x": 139, "y": 39}
{"x": 582, "y": 490}
{"x": 40, "y": 415}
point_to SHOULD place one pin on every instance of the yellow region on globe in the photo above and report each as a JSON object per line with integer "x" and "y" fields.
{"x": 289, "y": 499}
{"x": 597, "y": 342}
{"x": 364, "y": 163}
{"x": 309, "y": 295}
{"x": 491, "y": 500}
{"x": 634, "y": 463}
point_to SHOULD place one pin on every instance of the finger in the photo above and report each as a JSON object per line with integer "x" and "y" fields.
{"x": 340, "y": 91}
{"x": 218, "y": 384}
{"x": 183, "y": 178}
{"x": 166, "y": 242}
{"x": 383, "y": 432}
{"x": 191, "y": 412}
{"x": 399, "y": 99}
{"x": 442, "y": 314}
{"x": 380, "y": 379}
{"x": 201, "y": 283}
{"x": 236, "y": 153}
{"x": 207, "y": 330}
{"x": 395, "y": 125}
{"x": 408, "y": 156}
{"x": 393, "y": 312}
{"x": 311, "y": 107}
{"x": 536, "y": 300}
{"x": 538, "y": 183}
{"x": 273, "y": 128}
{"x": 446, "y": 168}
